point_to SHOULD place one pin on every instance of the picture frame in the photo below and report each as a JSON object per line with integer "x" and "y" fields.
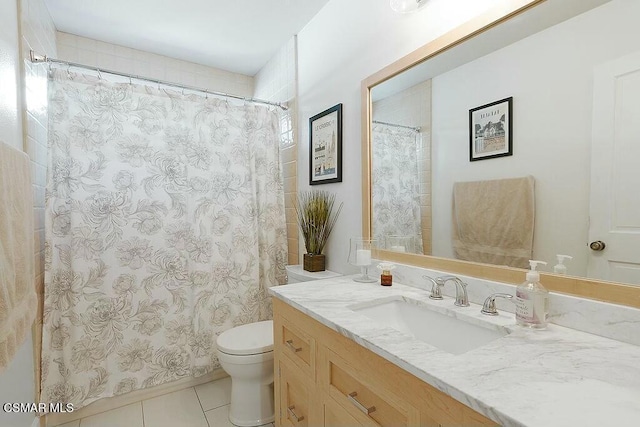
{"x": 325, "y": 146}
{"x": 491, "y": 130}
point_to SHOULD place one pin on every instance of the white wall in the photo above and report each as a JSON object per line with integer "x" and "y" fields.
{"x": 10, "y": 120}
{"x": 347, "y": 41}
{"x": 112, "y": 57}
{"x": 277, "y": 82}
{"x": 17, "y": 385}
{"x": 550, "y": 78}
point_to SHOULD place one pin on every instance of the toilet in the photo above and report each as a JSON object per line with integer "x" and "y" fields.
{"x": 246, "y": 354}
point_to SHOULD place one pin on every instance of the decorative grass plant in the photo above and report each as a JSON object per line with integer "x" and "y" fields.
{"x": 316, "y": 218}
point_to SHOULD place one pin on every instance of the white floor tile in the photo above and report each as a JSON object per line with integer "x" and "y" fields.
{"x": 127, "y": 416}
{"x": 219, "y": 417}
{"x": 214, "y": 394}
{"x": 75, "y": 423}
{"x": 181, "y": 408}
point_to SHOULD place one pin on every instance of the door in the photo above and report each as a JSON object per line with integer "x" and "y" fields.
{"x": 615, "y": 172}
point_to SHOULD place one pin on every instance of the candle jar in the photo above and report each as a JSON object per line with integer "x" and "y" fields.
{"x": 397, "y": 243}
{"x": 360, "y": 255}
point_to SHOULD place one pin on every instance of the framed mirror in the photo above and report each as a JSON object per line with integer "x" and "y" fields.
{"x": 571, "y": 72}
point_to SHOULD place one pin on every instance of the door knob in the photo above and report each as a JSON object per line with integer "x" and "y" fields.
{"x": 598, "y": 245}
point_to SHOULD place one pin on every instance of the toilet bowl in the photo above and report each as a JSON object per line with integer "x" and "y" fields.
{"x": 246, "y": 354}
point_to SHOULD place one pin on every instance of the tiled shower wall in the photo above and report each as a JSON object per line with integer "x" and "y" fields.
{"x": 277, "y": 82}
{"x": 37, "y": 33}
{"x": 112, "y": 57}
{"x": 412, "y": 107}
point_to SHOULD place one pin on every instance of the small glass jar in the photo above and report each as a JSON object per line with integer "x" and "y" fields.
{"x": 386, "y": 279}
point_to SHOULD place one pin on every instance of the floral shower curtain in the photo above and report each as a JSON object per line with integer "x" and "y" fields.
{"x": 164, "y": 227}
{"x": 396, "y": 185}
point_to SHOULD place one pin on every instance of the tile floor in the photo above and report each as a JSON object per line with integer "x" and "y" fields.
{"x": 206, "y": 405}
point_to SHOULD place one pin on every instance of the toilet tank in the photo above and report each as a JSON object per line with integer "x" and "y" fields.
{"x": 296, "y": 274}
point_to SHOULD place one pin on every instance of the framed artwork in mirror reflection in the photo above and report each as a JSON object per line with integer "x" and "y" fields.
{"x": 325, "y": 146}
{"x": 491, "y": 130}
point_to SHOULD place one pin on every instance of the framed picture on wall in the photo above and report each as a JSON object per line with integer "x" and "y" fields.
{"x": 490, "y": 130}
{"x": 325, "y": 146}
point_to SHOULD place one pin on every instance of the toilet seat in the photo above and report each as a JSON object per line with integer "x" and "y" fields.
{"x": 249, "y": 339}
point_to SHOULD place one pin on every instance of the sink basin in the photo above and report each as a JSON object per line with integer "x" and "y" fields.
{"x": 441, "y": 330}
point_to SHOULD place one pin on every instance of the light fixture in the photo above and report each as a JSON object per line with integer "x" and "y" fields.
{"x": 406, "y": 6}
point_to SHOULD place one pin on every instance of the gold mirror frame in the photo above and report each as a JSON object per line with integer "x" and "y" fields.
{"x": 612, "y": 292}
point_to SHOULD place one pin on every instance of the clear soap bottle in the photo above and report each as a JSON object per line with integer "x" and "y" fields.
{"x": 532, "y": 300}
{"x": 560, "y": 268}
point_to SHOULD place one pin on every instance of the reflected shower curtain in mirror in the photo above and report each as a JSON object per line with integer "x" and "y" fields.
{"x": 164, "y": 227}
{"x": 395, "y": 186}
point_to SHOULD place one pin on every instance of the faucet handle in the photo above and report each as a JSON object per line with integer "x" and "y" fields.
{"x": 489, "y": 306}
{"x": 436, "y": 288}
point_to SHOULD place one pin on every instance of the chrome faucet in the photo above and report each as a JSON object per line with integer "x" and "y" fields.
{"x": 436, "y": 292}
{"x": 462, "y": 300}
{"x": 489, "y": 306}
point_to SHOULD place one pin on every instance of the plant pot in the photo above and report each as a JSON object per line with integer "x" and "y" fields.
{"x": 313, "y": 262}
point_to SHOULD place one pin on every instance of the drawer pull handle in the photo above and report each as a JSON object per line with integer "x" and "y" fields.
{"x": 293, "y": 414}
{"x": 364, "y": 409}
{"x": 292, "y": 347}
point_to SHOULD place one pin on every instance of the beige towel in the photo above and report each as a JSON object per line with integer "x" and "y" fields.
{"x": 493, "y": 221}
{"x": 18, "y": 301}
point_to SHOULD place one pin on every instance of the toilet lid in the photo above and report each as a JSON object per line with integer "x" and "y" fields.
{"x": 252, "y": 338}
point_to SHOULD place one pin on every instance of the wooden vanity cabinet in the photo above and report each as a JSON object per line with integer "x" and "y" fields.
{"x": 329, "y": 380}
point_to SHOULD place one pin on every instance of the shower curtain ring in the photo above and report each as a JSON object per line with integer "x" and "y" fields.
{"x": 130, "y": 80}
{"x": 99, "y": 75}
{"x": 206, "y": 94}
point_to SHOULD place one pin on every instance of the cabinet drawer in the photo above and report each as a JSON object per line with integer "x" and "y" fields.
{"x": 336, "y": 416}
{"x": 294, "y": 398}
{"x": 369, "y": 402}
{"x": 296, "y": 345}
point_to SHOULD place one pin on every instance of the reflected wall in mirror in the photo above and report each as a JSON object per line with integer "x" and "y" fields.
{"x": 573, "y": 70}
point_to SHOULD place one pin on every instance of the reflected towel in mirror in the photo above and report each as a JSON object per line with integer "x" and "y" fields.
{"x": 493, "y": 221}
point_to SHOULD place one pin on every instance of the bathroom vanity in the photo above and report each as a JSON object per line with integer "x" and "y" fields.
{"x": 339, "y": 362}
{"x": 324, "y": 378}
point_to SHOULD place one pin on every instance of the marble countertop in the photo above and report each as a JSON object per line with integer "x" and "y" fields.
{"x": 551, "y": 377}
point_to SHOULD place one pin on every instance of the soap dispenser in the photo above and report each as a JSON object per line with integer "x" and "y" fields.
{"x": 560, "y": 268}
{"x": 532, "y": 300}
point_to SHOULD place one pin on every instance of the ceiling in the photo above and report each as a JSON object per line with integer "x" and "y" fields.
{"x": 234, "y": 35}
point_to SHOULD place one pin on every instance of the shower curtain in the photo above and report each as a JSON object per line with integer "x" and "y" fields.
{"x": 396, "y": 185}
{"x": 164, "y": 227}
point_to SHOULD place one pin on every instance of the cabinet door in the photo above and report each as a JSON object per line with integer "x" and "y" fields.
{"x": 295, "y": 403}
{"x": 336, "y": 416}
{"x": 296, "y": 345}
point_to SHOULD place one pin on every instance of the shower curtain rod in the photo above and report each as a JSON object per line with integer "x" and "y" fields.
{"x": 35, "y": 58}
{"x": 395, "y": 125}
